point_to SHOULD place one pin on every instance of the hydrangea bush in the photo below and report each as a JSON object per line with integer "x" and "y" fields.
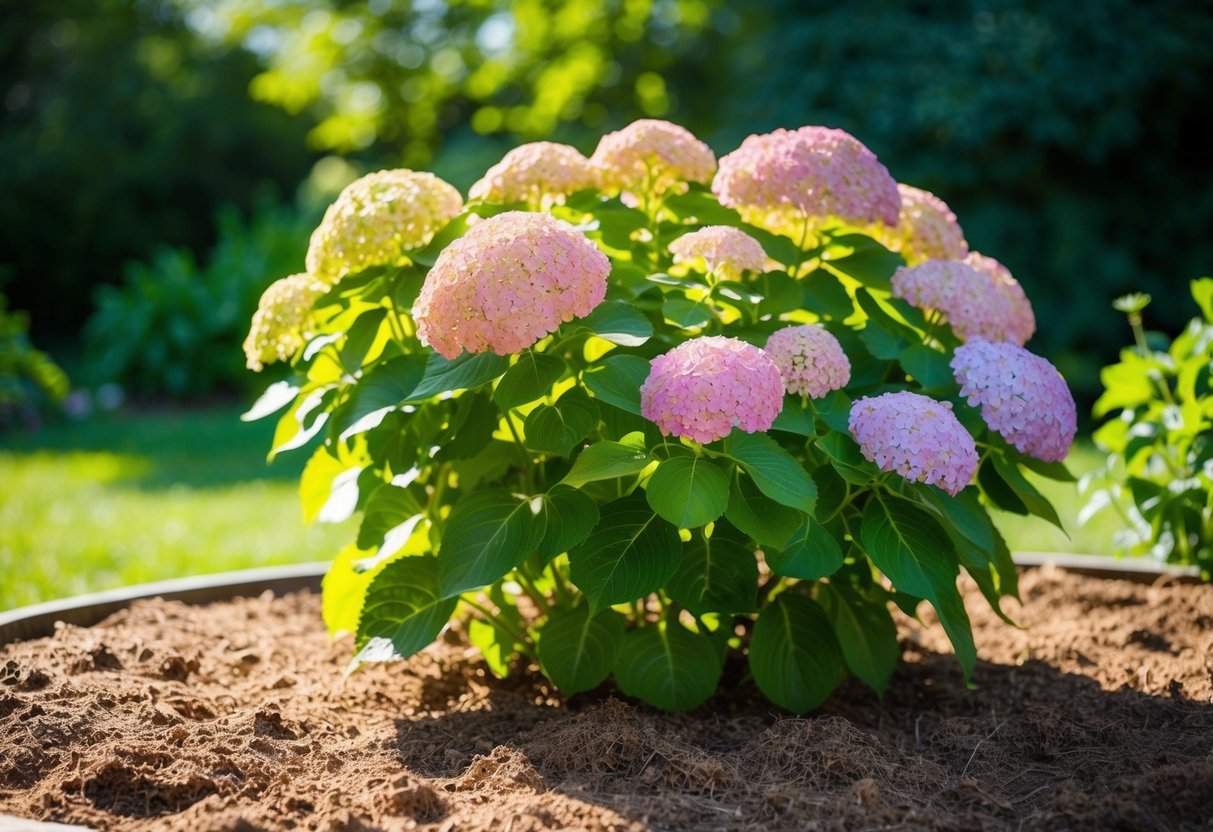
{"x": 637, "y": 415}
{"x": 1158, "y": 473}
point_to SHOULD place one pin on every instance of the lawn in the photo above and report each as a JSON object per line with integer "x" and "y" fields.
{"x": 159, "y": 494}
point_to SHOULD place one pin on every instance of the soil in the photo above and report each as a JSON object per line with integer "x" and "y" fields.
{"x": 236, "y": 716}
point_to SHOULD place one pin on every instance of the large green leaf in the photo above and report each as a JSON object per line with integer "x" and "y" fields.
{"x": 558, "y": 428}
{"x": 377, "y": 393}
{"x": 630, "y": 553}
{"x": 847, "y": 459}
{"x": 825, "y": 295}
{"x": 689, "y": 491}
{"x": 929, "y": 367}
{"x": 668, "y": 666}
{"x": 718, "y": 574}
{"x": 389, "y": 517}
{"x": 1035, "y": 502}
{"x": 463, "y": 373}
{"x": 605, "y": 461}
{"x": 618, "y": 322}
{"x": 403, "y": 611}
{"x": 766, "y": 521}
{"x": 794, "y": 656}
{"x": 487, "y": 534}
{"x": 569, "y": 516}
{"x": 359, "y": 338}
{"x": 578, "y": 650}
{"x": 343, "y": 591}
{"x": 907, "y": 543}
{"x": 865, "y": 631}
{"x": 775, "y": 471}
{"x": 531, "y": 377}
{"x": 617, "y": 379}
{"x": 687, "y": 313}
{"x": 810, "y": 553}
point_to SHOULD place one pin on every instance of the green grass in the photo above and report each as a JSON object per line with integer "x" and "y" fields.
{"x": 144, "y": 497}
{"x": 163, "y": 494}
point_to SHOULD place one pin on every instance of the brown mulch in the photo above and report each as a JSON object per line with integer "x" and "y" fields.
{"x": 1097, "y": 715}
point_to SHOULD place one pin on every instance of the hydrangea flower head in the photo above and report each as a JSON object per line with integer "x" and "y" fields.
{"x": 917, "y": 437}
{"x": 509, "y": 281}
{"x": 1022, "y": 396}
{"x": 378, "y": 218}
{"x": 651, "y": 156}
{"x": 277, "y": 330}
{"x": 926, "y": 229}
{"x": 973, "y": 301}
{"x": 539, "y": 174}
{"x": 1021, "y": 323}
{"x": 726, "y": 251}
{"x": 782, "y": 179}
{"x": 705, "y": 387}
{"x": 810, "y": 359}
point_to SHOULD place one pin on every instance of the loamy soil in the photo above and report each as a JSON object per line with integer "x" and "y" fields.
{"x": 1097, "y": 715}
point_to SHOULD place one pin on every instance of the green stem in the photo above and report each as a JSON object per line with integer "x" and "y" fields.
{"x": 804, "y": 238}
{"x": 533, "y": 592}
{"x": 500, "y": 623}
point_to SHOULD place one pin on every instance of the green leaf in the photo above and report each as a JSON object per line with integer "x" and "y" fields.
{"x": 403, "y": 611}
{"x": 388, "y": 519}
{"x": 531, "y": 377}
{"x": 997, "y": 490}
{"x": 883, "y": 335}
{"x": 776, "y": 472}
{"x": 463, "y": 373}
{"x": 689, "y": 491}
{"x": 794, "y": 655}
{"x": 908, "y": 544}
{"x": 606, "y": 461}
{"x": 618, "y": 322}
{"x": 718, "y": 574}
{"x": 616, "y": 380}
{"x": 795, "y": 418}
{"x": 668, "y": 666}
{"x": 301, "y": 421}
{"x": 569, "y": 517}
{"x": 1049, "y": 470}
{"x": 868, "y": 262}
{"x": 384, "y": 388}
{"x": 766, "y": 521}
{"x": 343, "y": 591}
{"x": 928, "y": 367}
{"x": 558, "y": 428}
{"x": 277, "y": 396}
{"x": 811, "y": 553}
{"x": 316, "y": 483}
{"x": 686, "y": 313}
{"x": 702, "y": 207}
{"x": 577, "y": 650}
{"x": 487, "y": 534}
{"x": 630, "y": 553}
{"x": 495, "y": 645}
{"x": 359, "y": 338}
{"x": 834, "y": 408}
{"x": 1035, "y": 502}
{"x": 1202, "y": 293}
{"x": 847, "y": 459}
{"x": 865, "y": 631}
{"x": 825, "y": 295}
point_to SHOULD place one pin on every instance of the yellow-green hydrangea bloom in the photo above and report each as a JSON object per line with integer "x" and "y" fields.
{"x": 278, "y": 330}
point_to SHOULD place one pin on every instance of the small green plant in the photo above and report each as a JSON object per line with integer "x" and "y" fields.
{"x": 173, "y": 327}
{"x": 628, "y": 425}
{"x": 1159, "y": 469}
{"x": 29, "y": 378}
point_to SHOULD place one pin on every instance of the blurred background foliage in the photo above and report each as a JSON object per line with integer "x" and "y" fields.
{"x": 1069, "y": 138}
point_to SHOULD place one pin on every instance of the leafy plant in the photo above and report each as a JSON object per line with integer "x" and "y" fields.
{"x": 1159, "y": 469}
{"x": 28, "y": 377}
{"x": 173, "y": 327}
{"x": 553, "y": 414}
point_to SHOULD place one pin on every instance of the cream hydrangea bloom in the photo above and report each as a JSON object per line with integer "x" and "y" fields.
{"x": 726, "y": 252}
{"x": 652, "y": 156}
{"x": 926, "y": 229}
{"x": 377, "y": 219}
{"x": 539, "y": 174}
{"x": 278, "y": 328}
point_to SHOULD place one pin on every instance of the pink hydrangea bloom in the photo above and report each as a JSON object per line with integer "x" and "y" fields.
{"x": 726, "y": 251}
{"x": 810, "y": 359}
{"x": 781, "y": 179}
{"x": 705, "y": 387}
{"x": 277, "y": 331}
{"x": 973, "y": 301}
{"x": 506, "y": 283}
{"x": 1022, "y": 396}
{"x": 1021, "y": 320}
{"x": 926, "y": 229}
{"x": 652, "y": 156}
{"x": 916, "y": 437}
{"x": 378, "y": 218}
{"x": 539, "y": 174}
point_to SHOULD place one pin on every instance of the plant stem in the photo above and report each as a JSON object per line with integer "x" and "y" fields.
{"x": 501, "y": 624}
{"x": 533, "y": 592}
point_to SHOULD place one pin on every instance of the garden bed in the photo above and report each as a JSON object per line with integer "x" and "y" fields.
{"x": 235, "y": 715}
